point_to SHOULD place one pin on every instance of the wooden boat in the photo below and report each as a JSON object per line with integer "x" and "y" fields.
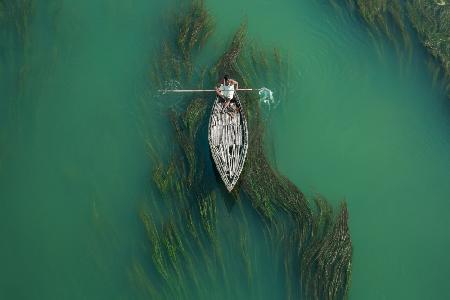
{"x": 228, "y": 140}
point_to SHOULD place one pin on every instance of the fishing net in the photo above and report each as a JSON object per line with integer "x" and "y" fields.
{"x": 164, "y": 99}
{"x": 266, "y": 98}
{"x": 170, "y": 84}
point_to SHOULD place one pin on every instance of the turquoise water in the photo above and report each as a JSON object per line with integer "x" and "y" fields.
{"x": 358, "y": 123}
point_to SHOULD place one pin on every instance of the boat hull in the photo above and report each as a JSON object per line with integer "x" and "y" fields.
{"x": 228, "y": 140}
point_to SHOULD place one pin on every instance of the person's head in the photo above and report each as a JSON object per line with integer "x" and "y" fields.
{"x": 225, "y": 78}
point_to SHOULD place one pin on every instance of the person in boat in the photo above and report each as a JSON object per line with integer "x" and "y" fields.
{"x": 226, "y": 90}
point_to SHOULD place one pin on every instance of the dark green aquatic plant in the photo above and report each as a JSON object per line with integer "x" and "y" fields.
{"x": 192, "y": 26}
{"x": 17, "y": 60}
{"x": 246, "y": 258}
{"x": 186, "y": 127}
{"x": 157, "y": 252}
{"x": 326, "y": 263}
{"x": 188, "y": 236}
{"x": 208, "y": 216}
{"x": 15, "y": 38}
{"x": 270, "y": 191}
{"x": 430, "y": 19}
{"x": 15, "y": 18}
{"x": 194, "y": 114}
{"x": 385, "y": 18}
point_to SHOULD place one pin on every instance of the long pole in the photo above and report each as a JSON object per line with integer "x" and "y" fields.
{"x": 188, "y": 91}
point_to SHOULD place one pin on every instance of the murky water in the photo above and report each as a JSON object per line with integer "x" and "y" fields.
{"x": 359, "y": 122}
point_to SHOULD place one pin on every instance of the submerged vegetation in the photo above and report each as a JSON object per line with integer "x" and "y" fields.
{"x": 15, "y": 21}
{"x": 19, "y": 36}
{"x": 192, "y": 28}
{"x": 15, "y": 18}
{"x": 429, "y": 19}
{"x": 308, "y": 241}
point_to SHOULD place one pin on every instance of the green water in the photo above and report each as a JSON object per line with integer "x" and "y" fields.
{"x": 358, "y": 122}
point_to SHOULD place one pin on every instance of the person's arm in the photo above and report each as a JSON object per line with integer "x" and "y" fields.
{"x": 218, "y": 91}
{"x": 236, "y": 84}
